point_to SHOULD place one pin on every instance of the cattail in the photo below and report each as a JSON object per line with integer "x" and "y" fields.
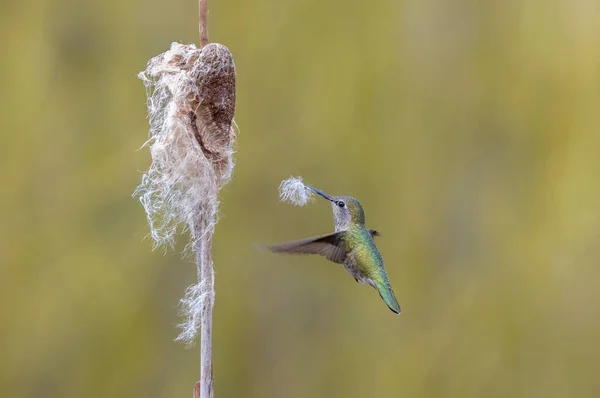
{"x": 191, "y": 104}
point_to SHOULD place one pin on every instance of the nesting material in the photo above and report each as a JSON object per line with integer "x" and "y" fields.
{"x": 191, "y": 104}
{"x": 295, "y": 192}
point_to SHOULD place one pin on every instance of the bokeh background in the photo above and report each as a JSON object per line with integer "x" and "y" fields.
{"x": 469, "y": 131}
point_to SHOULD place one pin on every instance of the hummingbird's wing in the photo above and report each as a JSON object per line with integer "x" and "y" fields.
{"x": 374, "y": 233}
{"x": 331, "y": 246}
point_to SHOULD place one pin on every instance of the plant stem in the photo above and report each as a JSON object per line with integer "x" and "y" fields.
{"x": 203, "y": 243}
{"x": 203, "y": 22}
{"x": 203, "y": 249}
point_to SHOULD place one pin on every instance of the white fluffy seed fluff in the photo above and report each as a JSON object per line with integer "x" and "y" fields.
{"x": 190, "y": 307}
{"x": 179, "y": 190}
{"x": 295, "y": 192}
{"x": 179, "y": 180}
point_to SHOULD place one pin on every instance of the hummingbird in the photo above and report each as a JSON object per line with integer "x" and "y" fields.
{"x": 352, "y": 245}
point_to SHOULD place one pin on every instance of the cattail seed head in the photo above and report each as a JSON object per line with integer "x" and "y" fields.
{"x": 191, "y": 104}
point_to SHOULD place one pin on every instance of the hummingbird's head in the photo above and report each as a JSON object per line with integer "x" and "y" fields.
{"x": 346, "y": 210}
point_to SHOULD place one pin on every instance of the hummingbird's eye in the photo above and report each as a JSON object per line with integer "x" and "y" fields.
{"x": 341, "y": 203}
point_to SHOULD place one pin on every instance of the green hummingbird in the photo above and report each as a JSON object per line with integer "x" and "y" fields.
{"x": 351, "y": 244}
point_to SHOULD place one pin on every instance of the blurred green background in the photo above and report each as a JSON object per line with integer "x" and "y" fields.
{"x": 468, "y": 130}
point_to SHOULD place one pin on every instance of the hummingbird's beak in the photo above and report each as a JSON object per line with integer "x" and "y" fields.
{"x": 321, "y": 193}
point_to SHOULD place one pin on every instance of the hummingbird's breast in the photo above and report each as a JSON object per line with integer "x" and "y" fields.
{"x": 364, "y": 261}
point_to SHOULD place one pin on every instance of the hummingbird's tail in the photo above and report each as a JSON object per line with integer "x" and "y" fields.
{"x": 387, "y": 294}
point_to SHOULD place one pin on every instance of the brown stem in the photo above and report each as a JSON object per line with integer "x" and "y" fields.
{"x": 197, "y": 390}
{"x": 203, "y": 22}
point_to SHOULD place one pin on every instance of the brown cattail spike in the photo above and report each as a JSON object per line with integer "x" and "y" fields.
{"x": 214, "y": 106}
{"x": 191, "y": 104}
